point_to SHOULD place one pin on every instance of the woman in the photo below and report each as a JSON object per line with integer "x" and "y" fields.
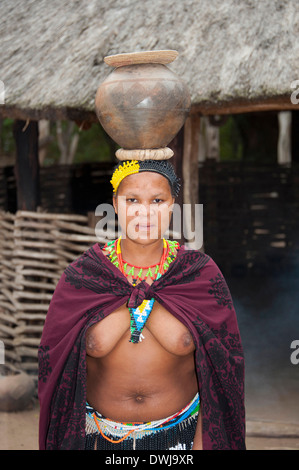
{"x": 141, "y": 348}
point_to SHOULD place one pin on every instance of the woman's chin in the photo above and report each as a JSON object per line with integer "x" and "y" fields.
{"x": 144, "y": 235}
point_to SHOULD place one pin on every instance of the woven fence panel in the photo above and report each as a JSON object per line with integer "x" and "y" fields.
{"x": 35, "y": 248}
{"x": 8, "y": 308}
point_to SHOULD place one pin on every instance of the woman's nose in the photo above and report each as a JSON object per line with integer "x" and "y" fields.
{"x": 146, "y": 209}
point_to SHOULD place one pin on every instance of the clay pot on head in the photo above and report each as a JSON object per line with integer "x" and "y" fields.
{"x": 142, "y": 105}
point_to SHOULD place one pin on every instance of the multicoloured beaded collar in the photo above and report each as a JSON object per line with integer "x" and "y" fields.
{"x": 137, "y": 272}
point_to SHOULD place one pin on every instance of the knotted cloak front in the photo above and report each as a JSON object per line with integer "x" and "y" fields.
{"x": 193, "y": 290}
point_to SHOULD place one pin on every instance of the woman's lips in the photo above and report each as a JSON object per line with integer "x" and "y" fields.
{"x": 145, "y": 226}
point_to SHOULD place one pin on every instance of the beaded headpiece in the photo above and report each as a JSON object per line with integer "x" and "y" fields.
{"x": 129, "y": 167}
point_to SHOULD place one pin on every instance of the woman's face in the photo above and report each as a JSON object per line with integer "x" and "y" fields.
{"x": 144, "y": 206}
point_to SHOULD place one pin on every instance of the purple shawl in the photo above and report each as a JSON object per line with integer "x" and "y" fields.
{"x": 193, "y": 290}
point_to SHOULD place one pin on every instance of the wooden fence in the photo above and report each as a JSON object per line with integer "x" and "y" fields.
{"x": 35, "y": 248}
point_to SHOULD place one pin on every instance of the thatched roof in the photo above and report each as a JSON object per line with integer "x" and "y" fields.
{"x": 232, "y": 53}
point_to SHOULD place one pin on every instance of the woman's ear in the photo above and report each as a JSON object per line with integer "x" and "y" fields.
{"x": 172, "y": 203}
{"x": 114, "y": 203}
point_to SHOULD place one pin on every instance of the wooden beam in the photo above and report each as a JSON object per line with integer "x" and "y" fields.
{"x": 234, "y": 106}
{"x": 80, "y": 115}
{"x": 27, "y": 165}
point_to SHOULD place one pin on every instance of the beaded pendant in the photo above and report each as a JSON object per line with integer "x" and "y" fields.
{"x": 138, "y": 318}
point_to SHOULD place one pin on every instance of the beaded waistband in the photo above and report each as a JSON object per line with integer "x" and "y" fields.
{"x": 95, "y": 422}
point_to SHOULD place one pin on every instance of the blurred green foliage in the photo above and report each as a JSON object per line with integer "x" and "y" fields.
{"x": 250, "y": 137}
{"x": 231, "y": 147}
{"x": 7, "y": 143}
{"x": 93, "y": 146}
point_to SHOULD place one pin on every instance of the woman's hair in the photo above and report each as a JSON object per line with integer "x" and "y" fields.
{"x": 129, "y": 167}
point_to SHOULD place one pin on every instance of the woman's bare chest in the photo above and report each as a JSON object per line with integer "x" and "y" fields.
{"x": 161, "y": 327}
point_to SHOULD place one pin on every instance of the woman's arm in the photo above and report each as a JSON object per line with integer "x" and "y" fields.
{"x": 197, "y": 442}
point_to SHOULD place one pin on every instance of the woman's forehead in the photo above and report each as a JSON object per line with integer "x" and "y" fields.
{"x": 144, "y": 181}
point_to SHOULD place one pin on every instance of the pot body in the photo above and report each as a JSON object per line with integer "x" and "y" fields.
{"x": 142, "y": 106}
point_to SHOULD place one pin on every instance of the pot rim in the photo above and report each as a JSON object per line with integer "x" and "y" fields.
{"x": 144, "y": 57}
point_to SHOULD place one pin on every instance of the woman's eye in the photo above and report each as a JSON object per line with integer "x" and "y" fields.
{"x": 155, "y": 201}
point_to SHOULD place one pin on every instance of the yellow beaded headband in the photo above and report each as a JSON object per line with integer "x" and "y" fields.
{"x": 126, "y": 168}
{"x": 129, "y": 167}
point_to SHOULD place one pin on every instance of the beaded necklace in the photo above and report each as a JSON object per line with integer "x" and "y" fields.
{"x": 139, "y": 315}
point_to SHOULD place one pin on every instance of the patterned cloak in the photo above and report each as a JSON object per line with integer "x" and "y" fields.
{"x": 193, "y": 290}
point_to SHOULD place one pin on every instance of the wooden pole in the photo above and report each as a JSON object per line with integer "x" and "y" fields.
{"x": 190, "y": 176}
{"x": 284, "y": 146}
{"x": 212, "y": 141}
{"x": 27, "y": 165}
{"x": 190, "y": 159}
{"x": 185, "y": 161}
{"x": 177, "y": 146}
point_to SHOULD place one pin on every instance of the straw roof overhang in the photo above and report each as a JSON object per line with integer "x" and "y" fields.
{"x": 234, "y": 56}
